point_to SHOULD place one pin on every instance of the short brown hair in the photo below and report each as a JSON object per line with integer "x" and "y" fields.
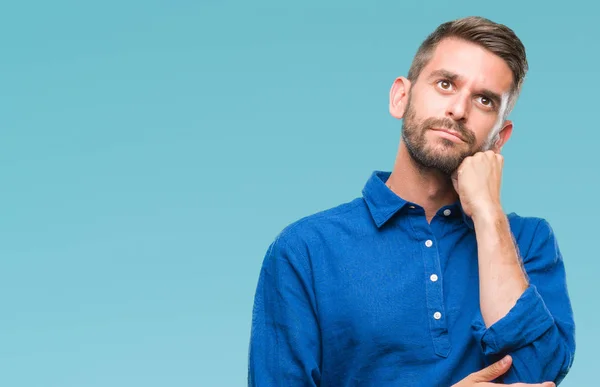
{"x": 496, "y": 38}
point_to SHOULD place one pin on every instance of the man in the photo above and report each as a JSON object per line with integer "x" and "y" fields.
{"x": 424, "y": 281}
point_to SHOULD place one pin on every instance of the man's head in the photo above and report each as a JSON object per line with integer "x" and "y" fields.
{"x": 464, "y": 80}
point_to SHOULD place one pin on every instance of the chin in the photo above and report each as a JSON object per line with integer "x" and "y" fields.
{"x": 445, "y": 146}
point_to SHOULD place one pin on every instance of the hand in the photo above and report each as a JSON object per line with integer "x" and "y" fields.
{"x": 477, "y": 182}
{"x": 485, "y": 376}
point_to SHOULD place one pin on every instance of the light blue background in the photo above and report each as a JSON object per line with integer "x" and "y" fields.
{"x": 150, "y": 151}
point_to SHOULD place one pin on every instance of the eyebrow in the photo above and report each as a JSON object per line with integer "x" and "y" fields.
{"x": 445, "y": 74}
{"x": 495, "y": 97}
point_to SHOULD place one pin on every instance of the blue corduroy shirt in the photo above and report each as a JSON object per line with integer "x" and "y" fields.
{"x": 370, "y": 294}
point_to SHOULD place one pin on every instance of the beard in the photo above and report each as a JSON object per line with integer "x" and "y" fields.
{"x": 445, "y": 157}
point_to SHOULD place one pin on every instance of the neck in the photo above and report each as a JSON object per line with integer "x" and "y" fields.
{"x": 426, "y": 187}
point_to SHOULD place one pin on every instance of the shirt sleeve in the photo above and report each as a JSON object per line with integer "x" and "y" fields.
{"x": 539, "y": 331}
{"x": 285, "y": 337}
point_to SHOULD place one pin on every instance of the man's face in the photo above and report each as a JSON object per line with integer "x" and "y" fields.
{"x": 456, "y": 106}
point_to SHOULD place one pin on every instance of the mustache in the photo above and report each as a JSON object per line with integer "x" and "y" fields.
{"x": 446, "y": 123}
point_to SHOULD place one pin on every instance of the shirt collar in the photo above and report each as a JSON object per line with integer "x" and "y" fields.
{"x": 383, "y": 203}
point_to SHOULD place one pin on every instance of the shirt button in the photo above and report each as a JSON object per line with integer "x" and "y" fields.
{"x": 437, "y": 315}
{"x": 411, "y": 207}
{"x": 447, "y": 212}
{"x": 433, "y": 278}
{"x": 428, "y": 243}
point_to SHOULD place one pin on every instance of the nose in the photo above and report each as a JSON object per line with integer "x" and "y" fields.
{"x": 458, "y": 108}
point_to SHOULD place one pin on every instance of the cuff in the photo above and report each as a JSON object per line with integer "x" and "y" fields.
{"x": 522, "y": 325}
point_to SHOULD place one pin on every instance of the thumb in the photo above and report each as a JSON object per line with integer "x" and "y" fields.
{"x": 454, "y": 178}
{"x": 493, "y": 371}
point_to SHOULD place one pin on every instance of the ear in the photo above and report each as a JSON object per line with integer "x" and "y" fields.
{"x": 502, "y": 136}
{"x": 399, "y": 97}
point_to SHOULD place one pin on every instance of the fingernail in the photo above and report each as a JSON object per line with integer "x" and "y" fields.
{"x": 505, "y": 360}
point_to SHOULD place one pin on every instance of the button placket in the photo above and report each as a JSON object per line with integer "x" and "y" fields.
{"x": 435, "y": 299}
{"x": 433, "y": 289}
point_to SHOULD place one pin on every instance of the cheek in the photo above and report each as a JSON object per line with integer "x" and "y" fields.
{"x": 484, "y": 126}
{"x": 429, "y": 104}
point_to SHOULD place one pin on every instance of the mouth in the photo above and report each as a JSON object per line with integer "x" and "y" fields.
{"x": 449, "y": 134}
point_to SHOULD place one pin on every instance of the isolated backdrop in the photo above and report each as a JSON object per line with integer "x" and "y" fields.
{"x": 151, "y": 150}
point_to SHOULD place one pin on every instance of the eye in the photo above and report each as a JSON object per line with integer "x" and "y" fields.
{"x": 444, "y": 84}
{"x": 485, "y": 101}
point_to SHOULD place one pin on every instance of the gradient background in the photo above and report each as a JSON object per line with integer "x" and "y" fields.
{"x": 150, "y": 151}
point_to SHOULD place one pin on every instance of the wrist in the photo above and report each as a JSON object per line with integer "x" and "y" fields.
{"x": 488, "y": 213}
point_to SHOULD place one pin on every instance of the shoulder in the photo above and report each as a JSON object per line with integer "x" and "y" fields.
{"x": 533, "y": 235}
{"x": 529, "y": 226}
{"x": 321, "y": 226}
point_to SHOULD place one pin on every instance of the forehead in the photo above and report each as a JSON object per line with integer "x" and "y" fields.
{"x": 473, "y": 63}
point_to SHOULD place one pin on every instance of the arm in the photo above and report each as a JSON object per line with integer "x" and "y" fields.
{"x": 501, "y": 278}
{"x": 285, "y": 338}
{"x": 538, "y": 330}
{"x": 529, "y": 318}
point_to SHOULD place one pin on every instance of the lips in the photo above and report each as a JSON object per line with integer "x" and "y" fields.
{"x": 449, "y": 133}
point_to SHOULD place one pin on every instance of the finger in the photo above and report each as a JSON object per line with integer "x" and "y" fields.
{"x": 492, "y": 371}
{"x": 500, "y": 159}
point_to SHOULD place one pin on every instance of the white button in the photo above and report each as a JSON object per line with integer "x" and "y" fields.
{"x": 433, "y": 278}
{"x": 428, "y": 243}
{"x": 411, "y": 206}
{"x": 447, "y": 212}
{"x": 437, "y": 315}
